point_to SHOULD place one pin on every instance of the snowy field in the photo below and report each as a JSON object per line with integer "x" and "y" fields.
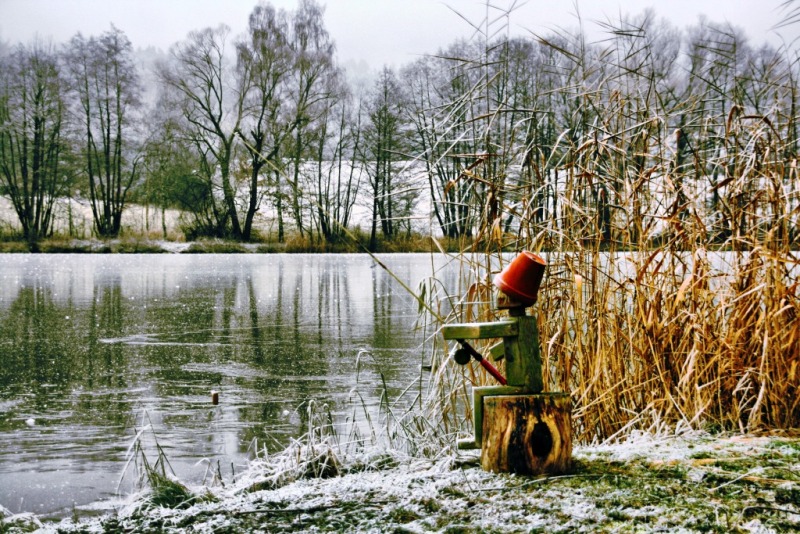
{"x": 77, "y": 215}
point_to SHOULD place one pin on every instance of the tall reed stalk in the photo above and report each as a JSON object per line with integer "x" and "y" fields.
{"x": 662, "y": 188}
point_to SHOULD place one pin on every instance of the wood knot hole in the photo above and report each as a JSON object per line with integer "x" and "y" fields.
{"x": 541, "y": 440}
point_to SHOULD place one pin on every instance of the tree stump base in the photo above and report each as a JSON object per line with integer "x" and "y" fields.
{"x": 527, "y": 434}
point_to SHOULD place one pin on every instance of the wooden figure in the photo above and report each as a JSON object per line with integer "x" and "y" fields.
{"x": 518, "y": 427}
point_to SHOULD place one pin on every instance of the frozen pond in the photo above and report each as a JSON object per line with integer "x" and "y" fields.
{"x": 94, "y": 348}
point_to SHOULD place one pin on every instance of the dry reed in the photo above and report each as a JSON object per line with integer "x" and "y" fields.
{"x": 666, "y": 204}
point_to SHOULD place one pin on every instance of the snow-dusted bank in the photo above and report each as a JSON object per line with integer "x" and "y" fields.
{"x": 693, "y": 482}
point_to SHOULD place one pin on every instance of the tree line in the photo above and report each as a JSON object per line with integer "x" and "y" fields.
{"x": 633, "y": 138}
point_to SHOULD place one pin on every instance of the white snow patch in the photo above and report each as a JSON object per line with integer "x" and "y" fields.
{"x": 423, "y": 492}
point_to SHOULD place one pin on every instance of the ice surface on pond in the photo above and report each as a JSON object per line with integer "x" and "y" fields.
{"x": 97, "y": 347}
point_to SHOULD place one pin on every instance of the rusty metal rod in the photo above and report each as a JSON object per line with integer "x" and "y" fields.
{"x": 491, "y": 369}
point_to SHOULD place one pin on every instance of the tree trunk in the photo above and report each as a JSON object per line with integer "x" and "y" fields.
{"x": 527, "y": 434}
{"x": 279, "y": 206}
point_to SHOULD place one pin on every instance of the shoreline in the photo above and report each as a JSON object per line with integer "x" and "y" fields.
{"x": 694, "y": 482}
{"x": 205, "y": 246}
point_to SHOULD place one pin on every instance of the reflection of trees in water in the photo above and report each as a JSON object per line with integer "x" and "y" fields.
{"x": 310, "y": 339}
{"x": 49, "y": 352}
{"x": 106, "y": 321}
{"x": 292, "y": 338}
{"x": 293, "y": 349}
{"x": 255, "y": 328}
{"x": 228, "y": 321}
{"x": 38, "y": 345}
{"x": 104, "y": 362}
{"x": 213, "y": 332}
{"x": 382, "y": 309}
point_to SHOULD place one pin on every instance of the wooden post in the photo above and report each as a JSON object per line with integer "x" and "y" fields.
{"x": 527, "y": 434}
{"x": 518, "y": 428}
{"x": 523, "y": 359}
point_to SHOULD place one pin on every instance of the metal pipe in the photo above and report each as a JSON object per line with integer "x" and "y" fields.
{"x": 491, "y": 369}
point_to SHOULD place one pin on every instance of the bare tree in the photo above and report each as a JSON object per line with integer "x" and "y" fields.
{"x": 338, "y": 174}
{"x": 210, "y": 94}
{"x": 313, "y": 86}
{"x": 106, "y": 83}
{"x": 439, "y": 96}
{"x": 170, "y": 171}
{"x": 31, "y": 145}
{"x": 265, "y": 124}
{"x": 383, "y": 150}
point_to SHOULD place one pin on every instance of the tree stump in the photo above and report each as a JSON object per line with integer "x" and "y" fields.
{"x": 527, "y": 434}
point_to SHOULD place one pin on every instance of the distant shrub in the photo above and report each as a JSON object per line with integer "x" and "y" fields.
{"x": 15, "y": 246}
{"x": 137, "y": 247}
{"x": 216, "y": 247}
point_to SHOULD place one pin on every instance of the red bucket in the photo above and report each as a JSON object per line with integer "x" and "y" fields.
{"x": 522, "y": 277}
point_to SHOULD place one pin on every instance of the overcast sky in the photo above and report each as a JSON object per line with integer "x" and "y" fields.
{"x": 392, "y": 32}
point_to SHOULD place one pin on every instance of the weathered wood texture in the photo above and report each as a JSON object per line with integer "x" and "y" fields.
{"x": 527, "y": 434}
{"x": 523, "y": 359}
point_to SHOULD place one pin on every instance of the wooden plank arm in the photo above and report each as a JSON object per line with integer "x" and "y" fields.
{"x": 480, "y": 330}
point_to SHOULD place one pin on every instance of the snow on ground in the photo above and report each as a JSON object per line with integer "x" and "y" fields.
{"x": 690, "y": 483}
{"x": 74, "y": 217}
